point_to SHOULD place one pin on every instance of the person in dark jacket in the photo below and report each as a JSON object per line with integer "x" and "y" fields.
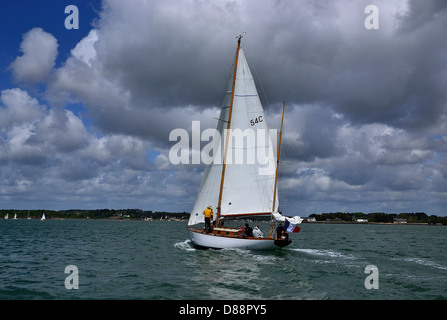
{"x": 280, "y": 233}
{"x": 248, "y": 230}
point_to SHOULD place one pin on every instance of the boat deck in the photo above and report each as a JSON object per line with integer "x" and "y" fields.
{"x": 227, "y": 232}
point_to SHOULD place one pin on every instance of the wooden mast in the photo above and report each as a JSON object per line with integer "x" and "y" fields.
{"x": 228, "y": 131}
{"x": 277, "y": 157}
{"x": 277, "y": 166}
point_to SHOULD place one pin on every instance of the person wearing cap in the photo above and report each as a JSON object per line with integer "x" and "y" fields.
{"x": 208, "y": 213}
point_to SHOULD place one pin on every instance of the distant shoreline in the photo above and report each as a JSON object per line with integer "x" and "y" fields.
{"x": 379, "y": 218}
{"x": 375, "y": 223}
{"x": 184, "y": 220}
{"x": 106, "y": 214}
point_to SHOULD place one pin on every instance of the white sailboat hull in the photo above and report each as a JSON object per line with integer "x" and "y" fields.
{"x": 212, "y": 241}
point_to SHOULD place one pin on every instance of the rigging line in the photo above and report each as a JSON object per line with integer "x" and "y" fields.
{"x": 218, "y": 119}
{"x": 284, "y": 162}
{"x": 262, "y": 87}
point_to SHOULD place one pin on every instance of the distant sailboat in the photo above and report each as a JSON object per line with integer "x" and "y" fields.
{"x": 6, "y": 216}
{"x": 239, "y": 190}
{"x": 43, "y": 217}
{"x": 15, "y": 216}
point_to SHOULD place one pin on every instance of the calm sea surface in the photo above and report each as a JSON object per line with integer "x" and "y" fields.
{"x": 155, "y": 260}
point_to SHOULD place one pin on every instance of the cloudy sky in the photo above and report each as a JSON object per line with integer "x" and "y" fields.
{"x": 85, "y": 114}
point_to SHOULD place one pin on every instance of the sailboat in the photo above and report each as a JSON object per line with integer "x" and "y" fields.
{"x": 43, "y": 217}
{"x": 244, "y": 189}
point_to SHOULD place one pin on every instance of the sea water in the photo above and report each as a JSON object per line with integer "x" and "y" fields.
{"x": 155, "y": 260}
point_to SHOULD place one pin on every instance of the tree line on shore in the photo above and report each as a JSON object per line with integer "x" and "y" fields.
{"x": 381, "y": 217}
{"x": 95, "y": 214}
{"x": 139, "y": 214}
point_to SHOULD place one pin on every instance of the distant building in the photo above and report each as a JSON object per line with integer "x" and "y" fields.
{"x": 400, "y": 220}
{"x": 361, "y": 220}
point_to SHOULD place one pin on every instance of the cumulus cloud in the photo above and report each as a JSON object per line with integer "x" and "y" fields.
{"x": 39, "y": 50}
{"x": 18, "y": 107}
{"x": 31, "y": 133}
{"x": 85, "y": 49}
{"x": 169, "y": 55}
{"x": 365, "y": 118}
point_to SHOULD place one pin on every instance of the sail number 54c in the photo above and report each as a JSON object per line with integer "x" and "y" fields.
{"x": 256, "y": 120}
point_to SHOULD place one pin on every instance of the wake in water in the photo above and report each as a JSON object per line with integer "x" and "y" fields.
{"x": 185, "y": 245}
{"x": 324, "y": 253}
{"x": 426, "y": 263}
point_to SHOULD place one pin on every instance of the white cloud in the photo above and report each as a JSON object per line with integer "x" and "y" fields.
{"x": 61, "y": 131}
{"x": 39, "y": 50}
{"x": 19, "y": 149}
{"x": 85, "y": 49}
{"x": 18, "y": 107}
{"x": 365, "y": 110}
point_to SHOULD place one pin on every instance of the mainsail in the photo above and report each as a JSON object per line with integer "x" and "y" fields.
{"x": 250, "y": 162}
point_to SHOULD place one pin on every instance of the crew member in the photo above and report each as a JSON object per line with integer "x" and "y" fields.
{"x": 208, "y": 213}
{"x": 281, "y": 233}
{"x": 248, "y": 230}
{"x": 257, "y": 233}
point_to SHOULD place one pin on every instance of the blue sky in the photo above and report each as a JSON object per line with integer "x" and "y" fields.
{"x": 85, "y": 115}
{"x": 18, "y": 17}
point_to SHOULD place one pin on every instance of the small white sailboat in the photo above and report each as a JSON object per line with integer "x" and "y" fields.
{"x": 43, "y": 217}
{"x": 15, "y": 216}
{"x": 239, "y": 190}
{"x": 6, "y": 216}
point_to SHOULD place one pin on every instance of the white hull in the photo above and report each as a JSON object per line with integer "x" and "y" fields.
{"x": 208, "y": 240}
